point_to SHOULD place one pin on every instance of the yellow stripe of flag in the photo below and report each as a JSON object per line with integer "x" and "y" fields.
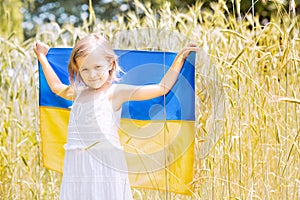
{"x": 144, "y": 155}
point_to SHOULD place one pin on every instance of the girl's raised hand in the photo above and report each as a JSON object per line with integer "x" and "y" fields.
{"x": 185, "y": 52}
{"x": 40, "y": 49}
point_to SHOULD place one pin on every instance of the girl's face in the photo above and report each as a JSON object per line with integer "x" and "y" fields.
{"x": 94, "y": 69}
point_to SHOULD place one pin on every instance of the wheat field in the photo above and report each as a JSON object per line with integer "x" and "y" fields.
{"x": 247, "y": 101}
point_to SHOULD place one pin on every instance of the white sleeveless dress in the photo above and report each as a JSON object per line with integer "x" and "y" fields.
{"x": 94, "y": 164}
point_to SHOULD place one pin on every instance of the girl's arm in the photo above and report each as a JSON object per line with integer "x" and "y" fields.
{"x": 53, "y": 81}
{"x": 134, "y": 93}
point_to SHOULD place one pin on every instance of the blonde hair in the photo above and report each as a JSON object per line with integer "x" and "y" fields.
{"x": 84, "y": 47}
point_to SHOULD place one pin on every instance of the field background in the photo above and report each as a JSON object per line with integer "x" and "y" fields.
{"x": 248, "y": 99}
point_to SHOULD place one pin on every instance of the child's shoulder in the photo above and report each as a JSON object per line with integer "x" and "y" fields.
{"x": 119, "y": 88}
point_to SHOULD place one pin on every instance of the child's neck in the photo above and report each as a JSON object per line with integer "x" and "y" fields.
{"x": 103, "y": 87}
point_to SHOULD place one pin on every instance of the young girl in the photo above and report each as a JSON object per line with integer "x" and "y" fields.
{"x": 94, "y": 165}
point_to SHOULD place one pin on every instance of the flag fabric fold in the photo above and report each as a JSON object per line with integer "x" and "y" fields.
{"x": 157, "y": 134}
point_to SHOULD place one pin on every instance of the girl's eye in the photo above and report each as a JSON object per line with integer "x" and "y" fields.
{"x": 83, "y": 70}
{"x": 98, "y": 67}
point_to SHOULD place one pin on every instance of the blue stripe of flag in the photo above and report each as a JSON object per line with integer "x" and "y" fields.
{"x": 140, "y": 67}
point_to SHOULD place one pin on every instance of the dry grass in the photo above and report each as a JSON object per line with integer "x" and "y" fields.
{"x": 248, "y": 113}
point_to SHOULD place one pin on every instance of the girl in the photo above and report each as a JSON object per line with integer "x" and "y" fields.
{"x": 94, "y": 165}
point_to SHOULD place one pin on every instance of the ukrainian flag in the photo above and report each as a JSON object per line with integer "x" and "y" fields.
{"x": 157, "y": 134}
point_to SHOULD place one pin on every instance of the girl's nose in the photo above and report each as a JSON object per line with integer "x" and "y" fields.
{"x": 93, "y": 74}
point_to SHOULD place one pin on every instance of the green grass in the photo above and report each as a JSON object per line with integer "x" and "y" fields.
{"x": 248, "y": 112}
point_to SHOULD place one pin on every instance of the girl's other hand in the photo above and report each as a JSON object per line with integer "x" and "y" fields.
{"x": 40, "y": 49}
{"x": 185, "y": 52}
